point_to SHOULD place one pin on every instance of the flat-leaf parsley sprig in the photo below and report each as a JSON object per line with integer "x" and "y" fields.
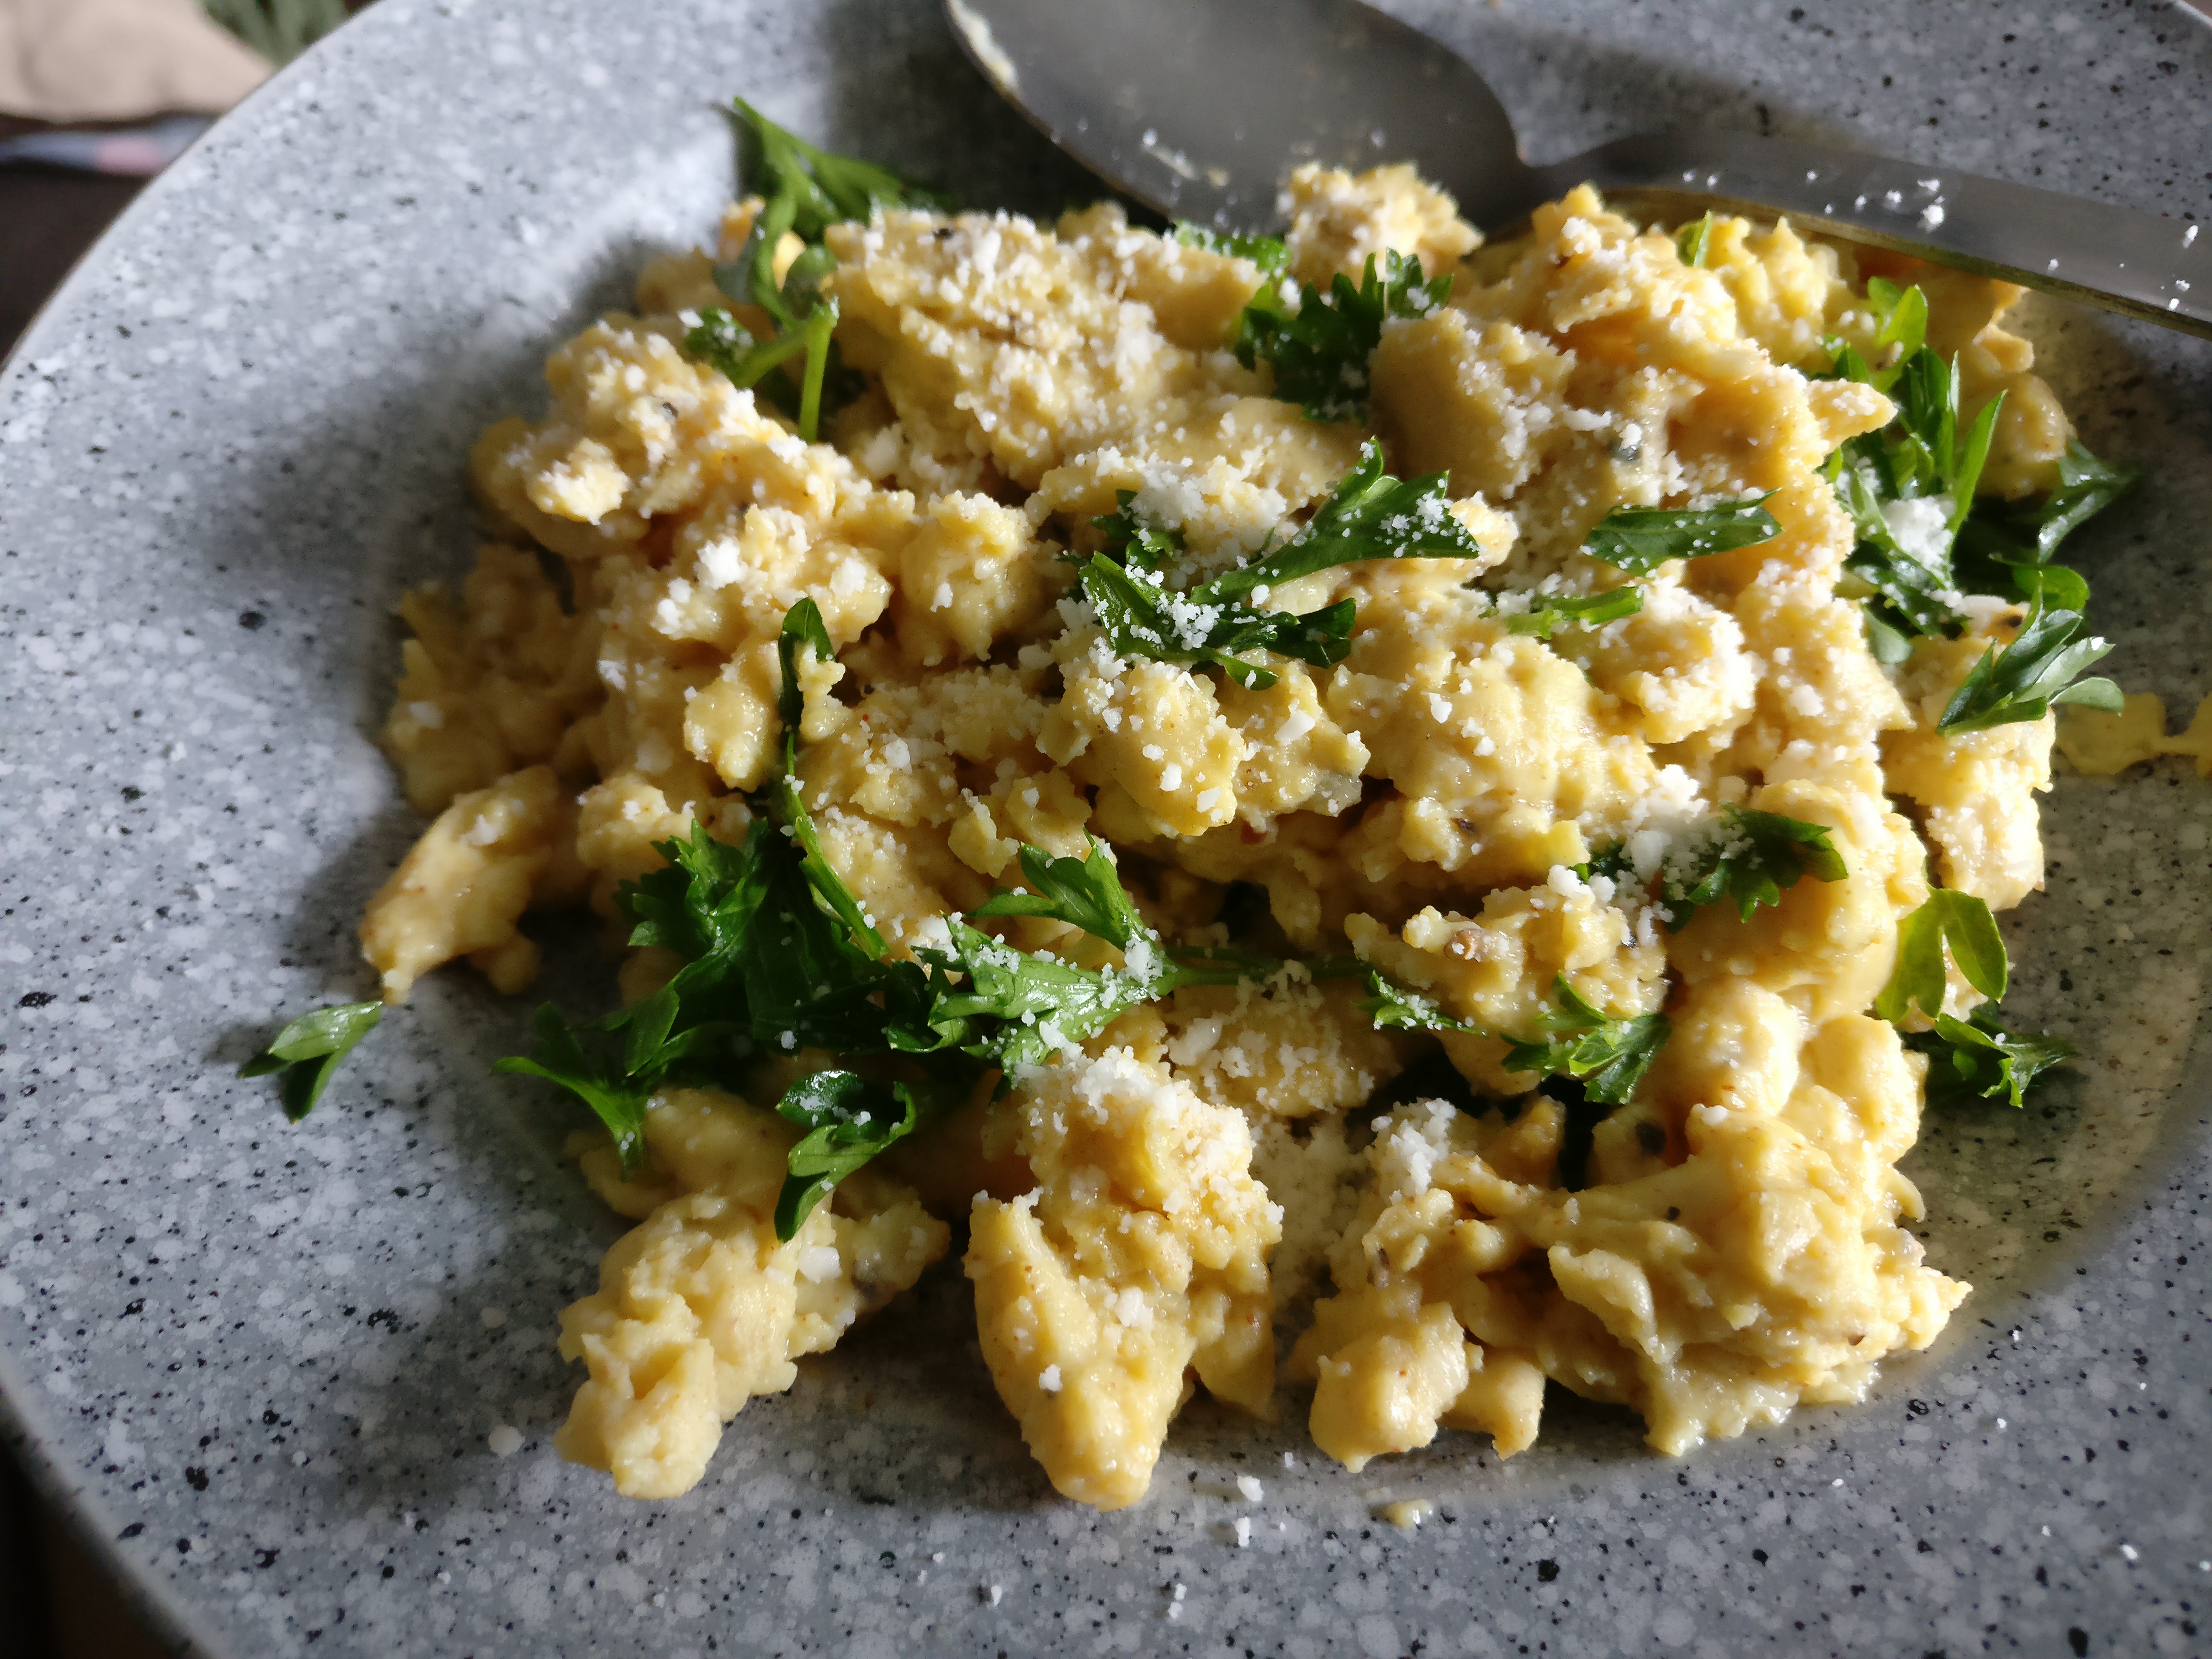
{"x": 1981, "y": 1056}
{"x": 1574, "y": 1039}
{"x": 778, "y": 955}
{"x": 1369, "y": 515}
{"x": 2006, "y": 548}
{"x": 1909, "y": 487}
{"x": 1608, "y": 1057}
{"x": 1925, "y": 539}
{"x": 310, "y": 1050}
{"x": 1320, "y": 350}
{"x": 807, "y": 191}
{"x": 1749, "y": 858}
{"x": 1639, "y": 539}
{"x": 2039, "y": 668}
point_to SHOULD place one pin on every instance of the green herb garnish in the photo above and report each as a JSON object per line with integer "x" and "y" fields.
{"x": 2005, "y": 548}
{"x": 1320, "y": 351}
{"x": 1960, "y": 922}
{"x": 309, "y": 1051}
{"x": 1979, "y": 1056}
{"x": 1369, "y": 515}
{"x": 1694, "y": 240}
{"x": 1750, "y": 858}
{"x": 1549, "y": 612}
{"x": 2036, "y": 670}
{"x": 1639, "y": 539}
{"x": 779, "y": 955}
{"x": 1267, "y": 252}
{"x": 805, "y": 190}
{"x": 1132, "y": 542}
{"x": 849, "y": 1119}
{"x": 1607, "y": 1056}
{"x": 1395, "y": 1007}
{"x": 1917, "y": 562}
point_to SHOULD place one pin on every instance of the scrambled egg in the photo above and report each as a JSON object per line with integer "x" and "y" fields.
{"x": 1158, "y": 1210}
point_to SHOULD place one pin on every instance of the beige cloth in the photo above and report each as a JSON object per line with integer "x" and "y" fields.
{"x": 117, "y": 60}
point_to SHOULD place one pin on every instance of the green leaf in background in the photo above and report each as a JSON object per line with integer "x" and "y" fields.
{"x": 309, "y": 1051}
{"x": 1694, "y": 240}
{"x": 1267, "y": 252}
{"x": 280, "y": 30}
{"x": 1639, "y": 539}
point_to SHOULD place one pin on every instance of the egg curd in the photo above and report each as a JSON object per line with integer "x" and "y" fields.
{"x": 1205, "y": 1195}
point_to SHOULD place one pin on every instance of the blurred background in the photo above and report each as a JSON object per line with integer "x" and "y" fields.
{"x": 97, "y": 96}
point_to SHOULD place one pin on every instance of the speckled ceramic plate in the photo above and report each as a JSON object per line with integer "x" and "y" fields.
{"x": 259, "y": 1364}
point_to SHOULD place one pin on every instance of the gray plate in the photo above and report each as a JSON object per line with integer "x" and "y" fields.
{"x": 254, "y": 1360}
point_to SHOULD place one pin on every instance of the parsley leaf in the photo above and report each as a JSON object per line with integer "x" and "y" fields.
{"x": 823, "y": 187}
{"x": 1953, "y": 918}
{"x": 1904, "y": 314}
{"x": 1549, "y": 612}
{"x": 1320, "y": 351}
{"x": 1085, "y": 892}
{"x": 1979, "y": 1056}
{"x": 2005, "y": 548}
{"x": 1143, "y": 617}
{"x": 1608, "y": 1056}
{"x": 806, "y": 190}
{"x": 1610, "y": 860}
{"x": 1394, "y": 1007}
{"x": 1369, "y": 515}
{"x": 1903, "y": 325}
{"x": 1982, "y": 1058}
{"x": 1132, "y": 542}
{"x": 1018, "y": 1008}
{"x": 1267, "y": 252}
{"x": 1904, "y": 554}
{"x": 1639, "y": 539}
{"x": 778, "y": 955}
{"x": 2038, "y": 669}
{"x": 802, "y": 627}
{"x": 602, "y": 1084}
{"x": 1923, "y": 452}
{"x": 309, "y": 1051}
{"x": 1749, "y": 857}
{"x": 2086, "y": 486}
{"x": 849, "y": 1119}
{"x": 1694, "y": 240}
